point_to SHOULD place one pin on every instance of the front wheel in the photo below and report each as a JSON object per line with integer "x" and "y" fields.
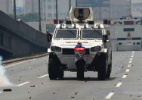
{"x": 52, "y": 70}
{"x": 61, "y": 74}
{"x": 80, "y": 64}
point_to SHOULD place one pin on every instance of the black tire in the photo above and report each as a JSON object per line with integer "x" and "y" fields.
{"x": 80, "y": 69}
{"x": 109, "y": 71}
{"x": 109, "y": 68}
{"x": 52, "y": 71}
{"x": 61, "y": 74}
{"x": 102, "y": 67}
{"x": 80, "y": 73}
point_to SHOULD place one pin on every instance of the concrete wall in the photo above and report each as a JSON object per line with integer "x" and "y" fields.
{"x": 17, "y": 39}
{"x": 23, "y": 30}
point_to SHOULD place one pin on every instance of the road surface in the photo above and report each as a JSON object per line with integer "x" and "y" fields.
{"x": 29, "y": 81}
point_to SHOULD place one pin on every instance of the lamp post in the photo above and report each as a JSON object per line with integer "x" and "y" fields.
{"x": 56, "y": 9}
{"x": 14, "y": 9}
{"x": 69, "y": 4}
{"x": 76, "y": 3}
{"x": 39, "y": 15}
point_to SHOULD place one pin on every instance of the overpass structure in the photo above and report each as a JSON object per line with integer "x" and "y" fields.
{"x": 18, "y": 39}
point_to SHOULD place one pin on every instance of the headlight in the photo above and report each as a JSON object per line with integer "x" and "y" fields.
{"x": 96, "y": 48}
{"x": 55, "y": 48}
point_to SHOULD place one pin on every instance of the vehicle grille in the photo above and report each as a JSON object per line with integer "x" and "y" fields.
{"x": 71, "y": 51}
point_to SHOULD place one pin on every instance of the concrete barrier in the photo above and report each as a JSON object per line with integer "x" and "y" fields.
{"x": 24, "y": 58}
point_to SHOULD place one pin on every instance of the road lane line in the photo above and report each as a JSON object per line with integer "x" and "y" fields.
{"x": 130, "y": 61}
{"x": 124, "y": 76}
{"x": 110, "y": 95}
{"x": 0, "y": 92}
{"x": 23, "y": 83}
{"x": 132, "y": 56}
{"x": 133, "y": 52}
{"x": 119, "y": 84}
{"x": 127, "y": 70}
{"x": 43, "y": 76}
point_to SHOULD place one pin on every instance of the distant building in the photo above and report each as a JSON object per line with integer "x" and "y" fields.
{"x": 137, "y": 9}
{"x": 49, "y": 7}
{"x": 6, "y": 6}
{"x": 30, "y": 6}
{"x": 107, "y": 9}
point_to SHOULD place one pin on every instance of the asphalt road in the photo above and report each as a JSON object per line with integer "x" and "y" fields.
{"x": 29, "y": 81}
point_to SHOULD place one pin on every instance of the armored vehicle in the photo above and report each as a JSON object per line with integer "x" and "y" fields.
{"x": 126, "y": 34}
{"x": 80, "y": 45}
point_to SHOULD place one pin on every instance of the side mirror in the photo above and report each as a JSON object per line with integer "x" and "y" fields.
{"x": 105, "y": 38}
{"x": 49, "y": 37}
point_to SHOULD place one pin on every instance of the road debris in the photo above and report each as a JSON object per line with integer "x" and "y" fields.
{"x": 7, "y": 90}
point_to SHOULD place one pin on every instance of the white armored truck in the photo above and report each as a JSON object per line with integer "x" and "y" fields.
{"x": 126, "y": 34}
{"x": 96, "y": 54}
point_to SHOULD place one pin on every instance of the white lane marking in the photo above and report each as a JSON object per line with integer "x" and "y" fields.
{"x": 133, "y": 52}
{"x": 110, "y": 95}
{"x": 0, "y": 92}
{"x": 14, "y": 64}
{"x": 43, "y": 76}
{"x": 23, "y": 83}
{"x": 132, "y": 56}
{"x": 124, "y": 76}
{"x": 129, "y": 65}
{"x": 130, "y": 61}
{"x": 119, "y": 84}
{"x": 127, "y": 70}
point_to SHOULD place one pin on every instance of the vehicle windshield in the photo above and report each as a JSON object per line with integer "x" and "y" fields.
{"x": 66, "y": 33}
{"x": 91, "y": 33}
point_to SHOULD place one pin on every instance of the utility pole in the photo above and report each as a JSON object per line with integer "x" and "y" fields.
{"x": 76, "y": 3}
{"x": 69, "y": 4}
{"x": 32, "y": 6}
{"x": 44, "y": 10}
{"x": 56, "y": 9}
{"x": 39, "y": 15}
{"x": 131, "y": 8}
{"x": 7, "y": 6}
{"x": 14, "y": 9}
{"x": 109, "y": 16}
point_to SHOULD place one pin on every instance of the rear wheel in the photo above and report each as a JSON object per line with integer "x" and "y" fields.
{"x": 80, "y": 64}
{"x": 102, "y": 67}
{"x": 109, "y": 67}
{"x": 61, "y": 74}
{"x": 109, "y": 70}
